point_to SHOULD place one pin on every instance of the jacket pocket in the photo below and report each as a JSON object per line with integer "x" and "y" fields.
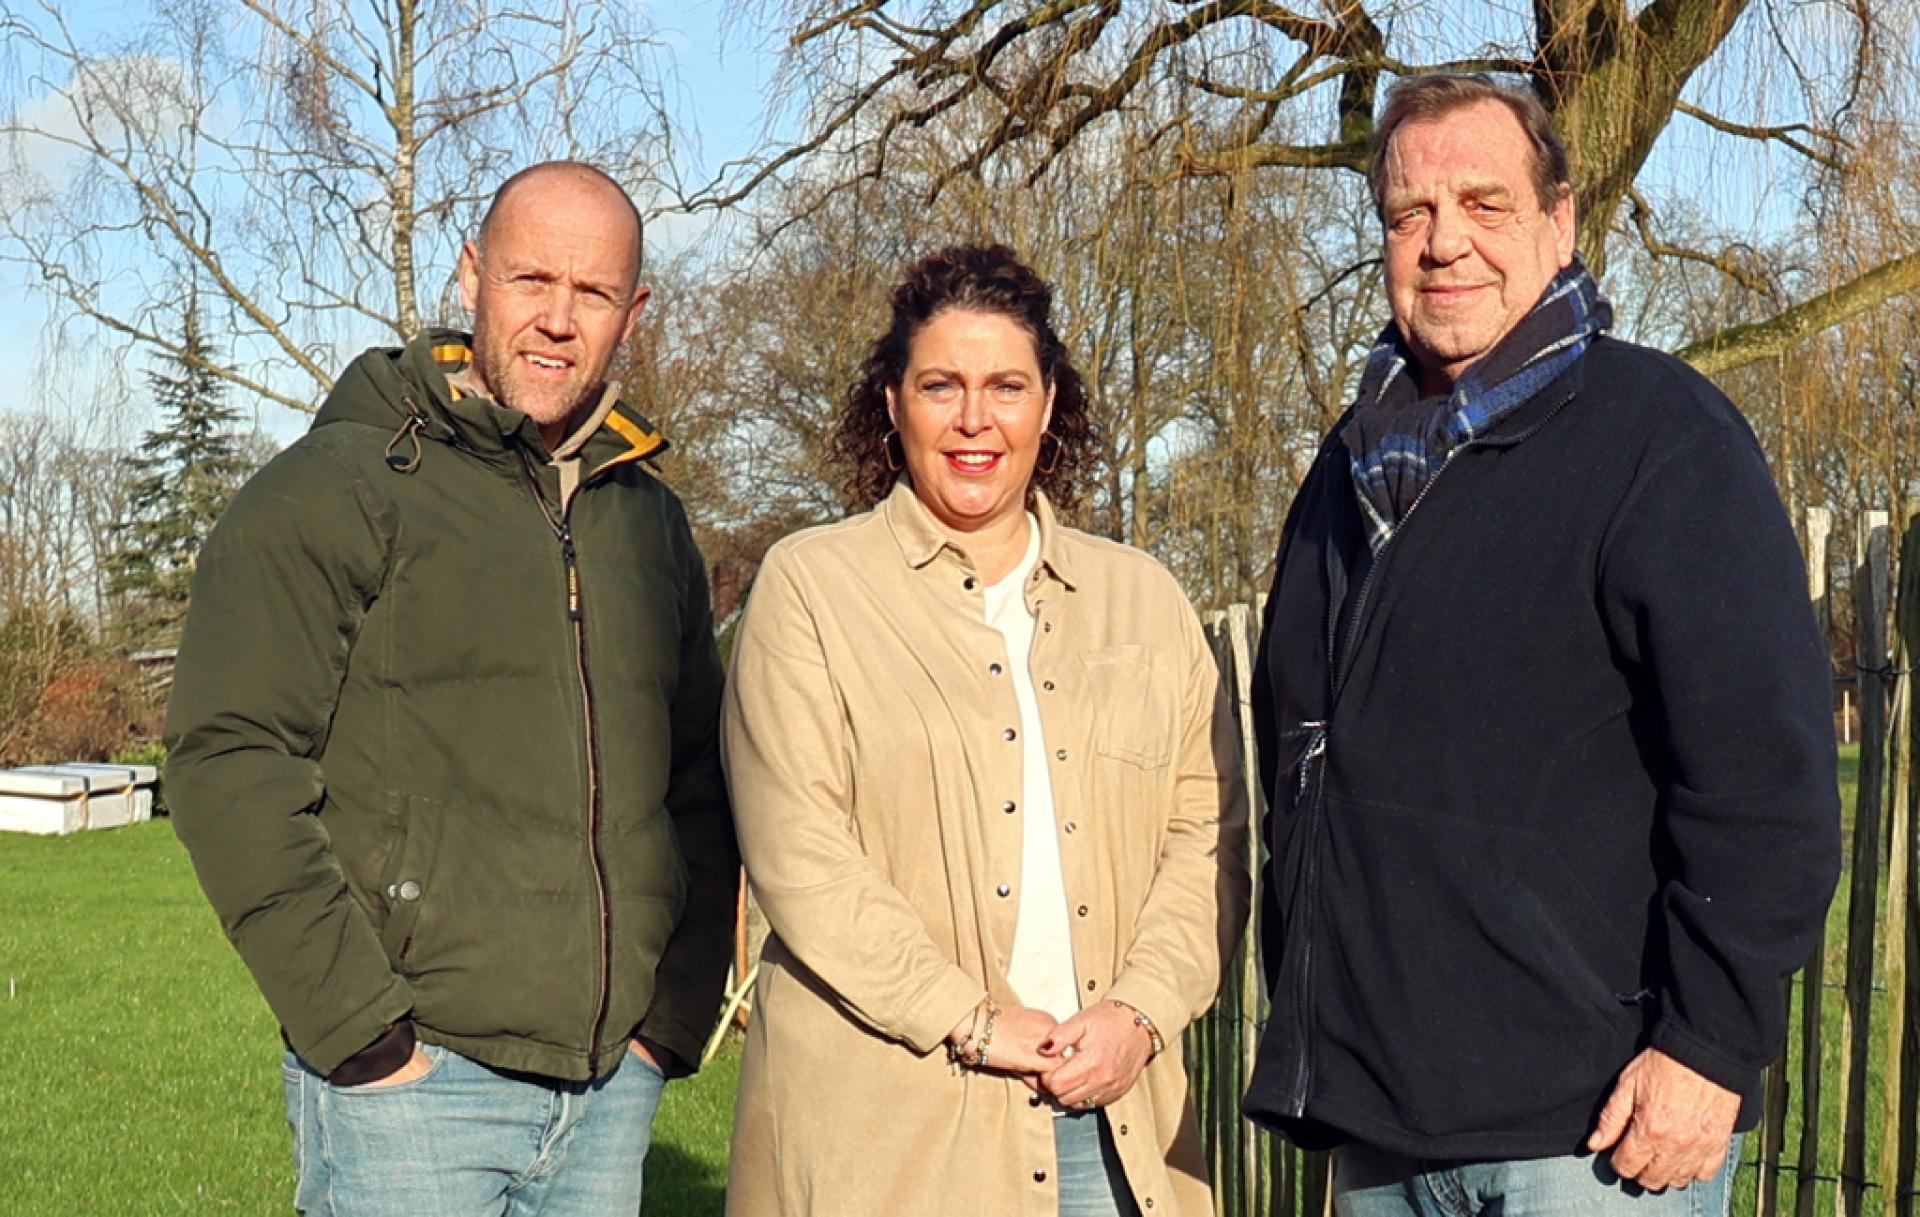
{"x": 1133, "y": 703}
{"x": 406, "y": 884}
{"x": 1450, "y": 939}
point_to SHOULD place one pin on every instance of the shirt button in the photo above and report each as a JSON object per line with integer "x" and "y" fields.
{"x": 1006, "y": 891}
{"x": 1033, "y": 1100}
{"x": 968, "y": 582}
{"x": 393, "y": 891}
{"x": 1047, "y": 685}
{"x": 1009, "y": 733}
{"x": 1008, "y": 807}
{"x": 1082, "y": 910}
{"x": 993, "y": 669}
{"x": 1090, "y": 986}
{"x": 409, "y": 890}
{"x": 1039, "y": 1176}
{"x": 1046, "y": 627}
{"x": 1123, "y": 1130}
{"x": 1060, "y": 755}
{"x": 1070, "y": 825}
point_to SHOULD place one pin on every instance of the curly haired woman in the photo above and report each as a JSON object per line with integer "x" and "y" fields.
{"x": 988, "y": 794}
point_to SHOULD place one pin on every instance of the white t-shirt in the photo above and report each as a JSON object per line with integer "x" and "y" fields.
{"x": 1040, "y": 962}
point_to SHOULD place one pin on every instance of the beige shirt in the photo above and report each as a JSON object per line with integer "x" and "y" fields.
{"x": 872, "y": 748}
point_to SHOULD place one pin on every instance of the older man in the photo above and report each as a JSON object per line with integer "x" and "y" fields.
{"x": 444, "y": 746}
{"x": 1543, "y": 715}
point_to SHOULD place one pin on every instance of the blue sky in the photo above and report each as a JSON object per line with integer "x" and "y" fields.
{"x": 724, "y": 73}
{"x": 722, "y": 79}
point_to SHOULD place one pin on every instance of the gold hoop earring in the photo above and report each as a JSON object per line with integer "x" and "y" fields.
{"x": 887, "y": 441}
{"x": 1042, "y": 465}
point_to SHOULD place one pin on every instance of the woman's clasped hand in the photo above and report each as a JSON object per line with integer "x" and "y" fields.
{"x": 1086, "y": 1061}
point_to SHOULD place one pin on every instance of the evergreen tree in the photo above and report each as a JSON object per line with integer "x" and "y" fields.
{"x": 183, "y": 474}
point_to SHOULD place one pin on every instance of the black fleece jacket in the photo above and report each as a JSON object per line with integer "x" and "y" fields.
{"x": 1552, "y": 776}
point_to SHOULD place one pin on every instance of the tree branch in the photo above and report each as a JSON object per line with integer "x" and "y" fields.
{"x": 1739, "y": 345}
{"x": 1642, "y": 216}
{"x": 1783, "y": 134}
{"x": 311, "y": 44}
{"x": 1228, "y": 161}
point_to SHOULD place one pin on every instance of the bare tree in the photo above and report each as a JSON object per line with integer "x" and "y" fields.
{"x": 1216, "y": 326}
{"x": 305, "y": 168}
{"x": 59, "y": 495}
{"x": 1254, "y": 84}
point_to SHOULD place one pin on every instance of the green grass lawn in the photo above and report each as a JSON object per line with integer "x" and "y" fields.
{"x": 1832, "y": 1067}
{"x": 139, "y": 1068}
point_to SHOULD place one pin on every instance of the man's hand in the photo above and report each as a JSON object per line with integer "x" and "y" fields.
{"x": 416, "y": 1067}
{"x": 1095, "y": 1057}
{"x": 1667, "y": 1125}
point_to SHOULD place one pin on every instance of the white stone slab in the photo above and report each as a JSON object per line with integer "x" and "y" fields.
{"x": 136, "y": 775}
{"x": 109, "y": 791}
{"x": 47, "y": 817}
{"x": 43, "y": 784}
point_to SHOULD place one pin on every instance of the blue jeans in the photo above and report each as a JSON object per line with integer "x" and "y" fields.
{"x": 463, "y": 1140}
{"x": 1370, "y": 1182}
{"x": 1087, "y": 1166}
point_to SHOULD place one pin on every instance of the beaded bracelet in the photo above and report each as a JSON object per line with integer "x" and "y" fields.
{"x": 964, "y": 1052}
{"x": 986, "y": 1035}
{"x": 1141, "y": 1020}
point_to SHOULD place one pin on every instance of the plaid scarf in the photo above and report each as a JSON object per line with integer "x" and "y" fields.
{"x": 1393, "y": 433}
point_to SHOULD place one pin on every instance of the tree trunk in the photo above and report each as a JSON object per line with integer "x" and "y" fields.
{"x": 1612, "y": 83}
{"x": 406, "y": 148}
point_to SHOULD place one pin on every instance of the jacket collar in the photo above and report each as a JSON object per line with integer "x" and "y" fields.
{"x": 1524, "y": 419}
{"x": 613, "y": 433}
{"x": 921, "y": 538}
{"x": 1511, "y": 428}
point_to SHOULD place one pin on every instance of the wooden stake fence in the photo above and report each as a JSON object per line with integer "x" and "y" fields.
{"x": 1853, "y": 1158}
{"x": 1254, "y": 1174}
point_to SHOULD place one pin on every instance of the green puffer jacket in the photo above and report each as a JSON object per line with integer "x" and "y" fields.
{"x": 442, "y": 746}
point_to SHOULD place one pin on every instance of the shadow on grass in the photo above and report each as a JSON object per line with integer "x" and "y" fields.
{"x": 682, "y": 1185}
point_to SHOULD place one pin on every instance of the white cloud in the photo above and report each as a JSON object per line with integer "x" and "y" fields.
{"x": 107, "y": 101}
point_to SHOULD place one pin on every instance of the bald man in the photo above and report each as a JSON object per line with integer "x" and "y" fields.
{"x": 443, "y": 746}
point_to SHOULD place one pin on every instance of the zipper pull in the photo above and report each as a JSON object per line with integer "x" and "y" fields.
{"x": 1315, "y": 749}
{"x": 568, "y": 555}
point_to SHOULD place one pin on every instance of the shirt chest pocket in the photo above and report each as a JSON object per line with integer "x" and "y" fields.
{"x": 1132, "y": 700}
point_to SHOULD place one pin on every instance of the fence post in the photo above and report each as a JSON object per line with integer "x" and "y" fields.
{"x": 1316, "y": 1185}
{"x": 1902, "y": 1052}
{"x": 1870, "y": 575}
{"x": 1284, "y": 1165}
{"x": 1819, "y": 530}
{"x": 1203, "y": 1041}
{"x": 1240, "y": 637}
{"x": 1773, "y": 1126}
{"x": 1813, "y": 976}
{"x": 1215, "y": 1050}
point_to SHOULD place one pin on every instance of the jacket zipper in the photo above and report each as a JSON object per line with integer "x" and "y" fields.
{"x": 577, "y": 615}
{"x": 1316, "y": 752}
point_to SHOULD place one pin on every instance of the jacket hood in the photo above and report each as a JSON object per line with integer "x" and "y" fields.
{"x": 403, "y": 388}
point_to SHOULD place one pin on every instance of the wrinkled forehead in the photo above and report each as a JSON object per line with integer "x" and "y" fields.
{"x": 1482, "y": 145}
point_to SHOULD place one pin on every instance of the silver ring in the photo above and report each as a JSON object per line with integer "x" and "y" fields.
{"x": 1087, "y": 1105}
{"x": 1066, "y": 1052}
